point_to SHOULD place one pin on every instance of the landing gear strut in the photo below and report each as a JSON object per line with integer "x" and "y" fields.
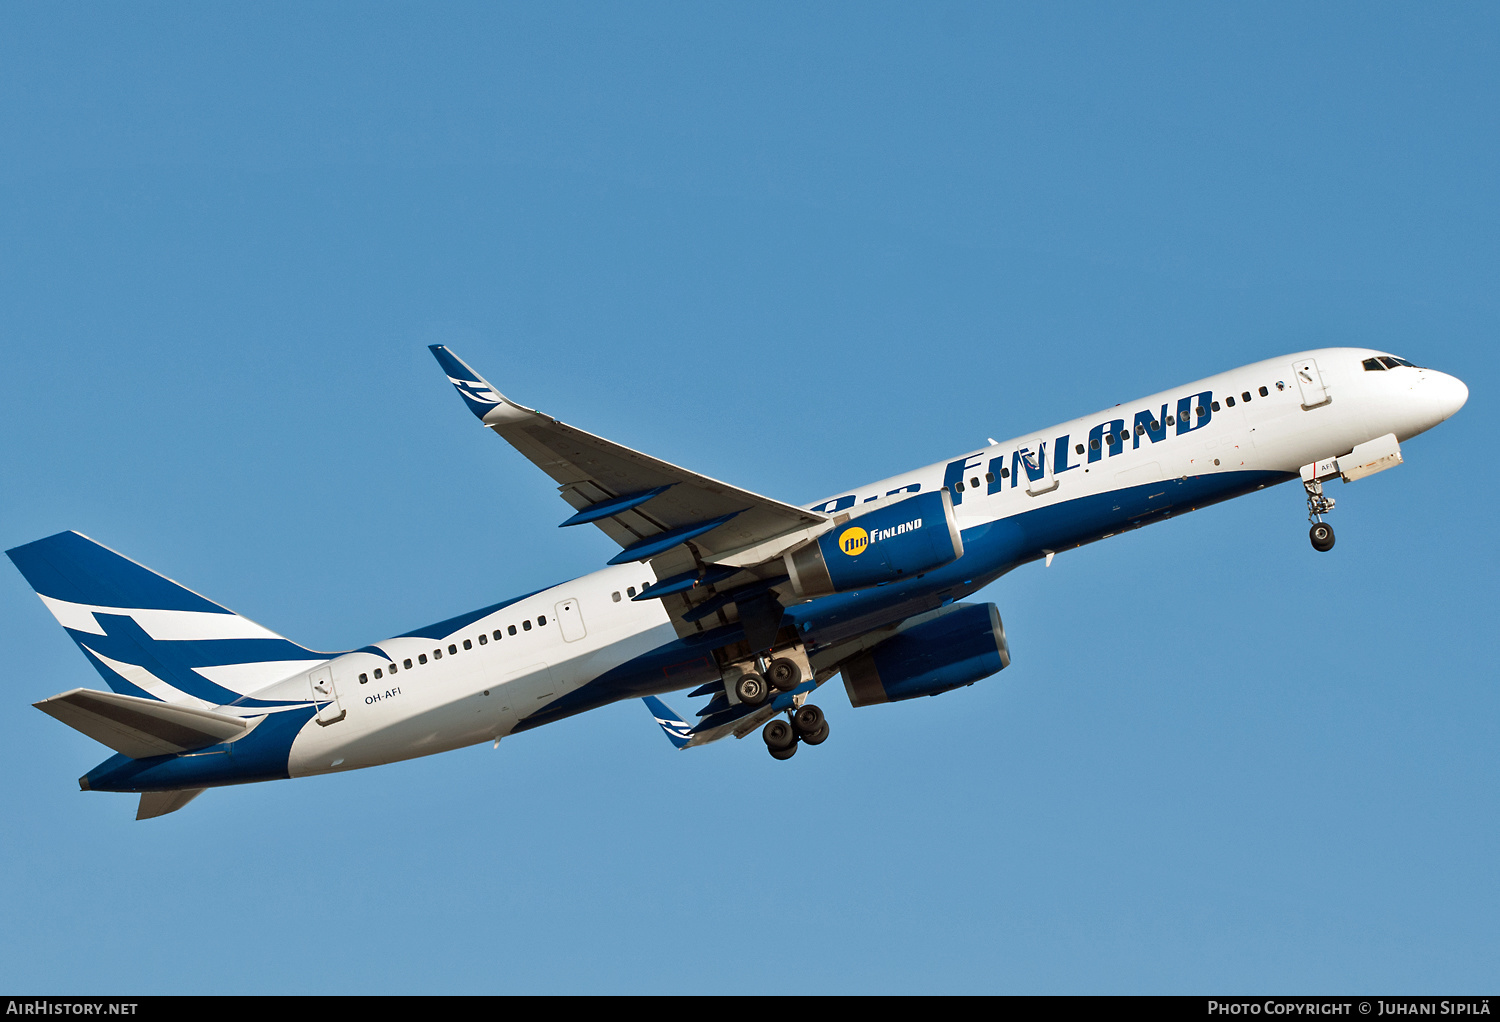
{"x": 1318, "y": 505}
{"x": 806, "y": 726}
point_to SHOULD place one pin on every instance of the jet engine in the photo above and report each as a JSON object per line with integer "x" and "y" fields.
{"x": 884, "y": 544}
{"x": 932, "y": 653}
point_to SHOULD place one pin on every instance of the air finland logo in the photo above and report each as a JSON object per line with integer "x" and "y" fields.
{"x": 854, "y": 540}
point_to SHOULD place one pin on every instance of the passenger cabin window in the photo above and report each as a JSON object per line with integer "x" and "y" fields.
{"x": 1078, "y": 448}
{"x": 511, "y": 629}
{"x": 421, "y": 658}
{"x": 615, "y": 596}
{"x": 483, "y": 638}
{"x": 1245, "y": 396}
{"x": 1215, "y": 405}
{"x": 377, "y": 674}
{"x": 526, "y": 625}
{"x": 1229, "y": 401}
{"x": 468, "y": 644}
{"x": 1171, "y": 421}
{"x": 437, "y": 654}
{"x": 974, "y": 482}
{"x": 1093, "y": 446}
{"x": 364, "y": 679}
{"x": 406, "y": 664}
{"x": 989, "y": 477}
{"x": 1264, "y": 392}
{"x": 1202, "y": 411}
{"x": 452, "y": 649}
{"x": 541, "y": 619}
{"x": 959, "y": 486}
{"x": 1005, "y": 473}
{"x": 391, "y": 668}
{"x": 497, "y": 635}
{"x": 631, "y": 590}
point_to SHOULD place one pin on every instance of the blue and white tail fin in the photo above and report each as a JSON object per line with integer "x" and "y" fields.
{"x": 678, "y": 731}
{"x": 149, "y": 637}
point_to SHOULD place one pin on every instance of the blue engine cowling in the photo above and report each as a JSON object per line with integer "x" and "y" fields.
{"x": 885, "y": 544}
{"x": 932, "y": 653}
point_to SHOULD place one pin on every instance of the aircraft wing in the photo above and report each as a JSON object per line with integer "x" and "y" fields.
{"x": 650, "y": 507}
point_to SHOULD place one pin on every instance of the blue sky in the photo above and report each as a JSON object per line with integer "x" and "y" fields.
{"x": 797, "y": 248}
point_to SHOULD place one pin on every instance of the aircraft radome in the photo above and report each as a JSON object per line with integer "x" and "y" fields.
{"x": 748, "y": 601}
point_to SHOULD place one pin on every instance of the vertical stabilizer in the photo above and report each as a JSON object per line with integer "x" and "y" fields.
{"x": 146, "y": 635}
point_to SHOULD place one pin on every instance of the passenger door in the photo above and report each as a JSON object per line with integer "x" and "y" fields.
{"x": 570, "y": 620}
{"x": 326, "y": 696}
{"x": 1310, "y": 382}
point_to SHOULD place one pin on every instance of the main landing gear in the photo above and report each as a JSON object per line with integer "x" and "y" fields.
{"x": 782, "y": 674}
{"x": 807, "y": 725}
{"x": 1318, "y": 505}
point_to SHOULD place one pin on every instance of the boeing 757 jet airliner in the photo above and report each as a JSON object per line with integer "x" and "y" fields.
{"x": 747, "y": 601}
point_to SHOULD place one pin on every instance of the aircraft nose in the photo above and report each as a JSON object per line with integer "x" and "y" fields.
{"x": 1447, "y": 393}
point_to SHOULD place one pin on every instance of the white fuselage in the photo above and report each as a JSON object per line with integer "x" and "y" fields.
{"x": 468, "y": 691}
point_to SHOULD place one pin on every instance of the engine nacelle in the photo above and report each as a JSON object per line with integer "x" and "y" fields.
{"x": 887, "y": 543}
{"x": 932, "y": 653}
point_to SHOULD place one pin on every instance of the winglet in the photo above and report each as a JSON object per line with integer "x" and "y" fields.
{"x": 678, "y": 732}
{"x": 488, "y": 405}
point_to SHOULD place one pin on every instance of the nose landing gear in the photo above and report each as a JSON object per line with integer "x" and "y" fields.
{"x": 806, "y": 726}
{"x": 1318, "y": 505}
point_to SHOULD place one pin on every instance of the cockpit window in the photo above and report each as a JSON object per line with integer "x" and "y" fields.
{"x": 1373, "y": 364}
{"x": 1389, "y": 363}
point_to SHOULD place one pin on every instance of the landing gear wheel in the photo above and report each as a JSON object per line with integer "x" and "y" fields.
{"x": 1321, "y": 535}
{"x": 807, "y": 721}
{"x": 778, "y": 735}
{"x": 750, "y": 689}
{"x": 787, "y": 753}
{"x": 818, "y": 737}
{"x": 784, "y": 674}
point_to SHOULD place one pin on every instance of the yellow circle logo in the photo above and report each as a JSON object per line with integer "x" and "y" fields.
{"x": 854, "y": 540}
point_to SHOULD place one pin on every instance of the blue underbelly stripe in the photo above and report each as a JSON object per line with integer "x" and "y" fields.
{"x": 990, "y": 550}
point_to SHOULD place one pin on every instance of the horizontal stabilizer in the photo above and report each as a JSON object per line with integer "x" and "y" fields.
{"x": 141, "y": 728}
{"x": 160, "y": 803}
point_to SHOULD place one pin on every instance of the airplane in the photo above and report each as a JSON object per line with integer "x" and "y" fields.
{"x": 742, "y": 598}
